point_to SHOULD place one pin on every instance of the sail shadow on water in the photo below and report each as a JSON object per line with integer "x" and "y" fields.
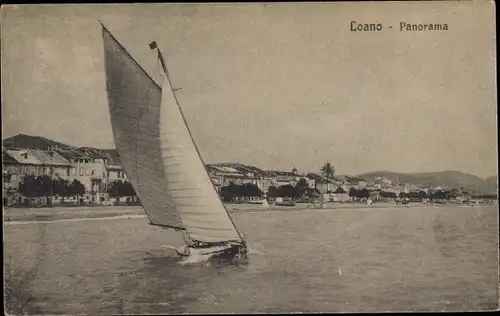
{"x": 154, "y": 284}
{"x": 161, "y": 159}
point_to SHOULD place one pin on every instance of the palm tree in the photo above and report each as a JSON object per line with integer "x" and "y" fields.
{"x": 328, "y": 171}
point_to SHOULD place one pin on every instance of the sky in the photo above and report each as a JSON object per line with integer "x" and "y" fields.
{"x": 277, "y": 85}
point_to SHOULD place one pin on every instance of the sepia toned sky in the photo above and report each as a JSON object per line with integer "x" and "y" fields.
{"x": 277, "y": 85}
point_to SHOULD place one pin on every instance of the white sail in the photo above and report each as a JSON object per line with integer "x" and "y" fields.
{"x": 134, "y": 104}
{"x": 158, "y": 151}
{"x": 197, "y": 203}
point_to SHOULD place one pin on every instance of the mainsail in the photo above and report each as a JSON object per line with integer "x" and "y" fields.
{"x": 158, "y": 152}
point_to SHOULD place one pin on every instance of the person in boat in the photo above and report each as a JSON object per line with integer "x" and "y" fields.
{"x": 233, "y": 249}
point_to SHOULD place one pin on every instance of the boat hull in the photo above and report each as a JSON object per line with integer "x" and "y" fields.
{"x": 260, "y": 202}
{"x": 204, "y": 254}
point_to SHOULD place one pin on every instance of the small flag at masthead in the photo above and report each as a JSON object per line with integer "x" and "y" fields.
{"x": 153, "y": 45}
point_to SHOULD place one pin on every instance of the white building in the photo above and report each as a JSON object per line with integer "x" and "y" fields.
{"x": 17, "y": 163}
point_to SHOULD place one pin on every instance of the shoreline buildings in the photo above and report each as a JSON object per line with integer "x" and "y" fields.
{"x": 97, "y": 169}
{"x": 94, "y": 169}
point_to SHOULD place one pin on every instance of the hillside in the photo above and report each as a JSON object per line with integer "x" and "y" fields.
{"x": 452, "y": 179}
{"x": 38, "y": 142}
{"x": 31, "y": 142}
{"x": 491, "y": 184}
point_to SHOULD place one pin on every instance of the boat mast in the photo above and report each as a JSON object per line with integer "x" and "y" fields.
{"x": 153, "y": 45}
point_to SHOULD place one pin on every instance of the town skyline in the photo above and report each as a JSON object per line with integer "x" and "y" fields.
{"x": 316, "y": 171}
{"x": 297, "y": 93}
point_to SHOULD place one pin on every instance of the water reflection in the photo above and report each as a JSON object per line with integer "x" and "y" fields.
{"x": 159, "y": 284}
{"x": 389, "y": 260}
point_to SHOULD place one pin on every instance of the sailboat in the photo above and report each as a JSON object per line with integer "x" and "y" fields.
{"x": 161, "y": 159}
{"x": 262, "y": 202}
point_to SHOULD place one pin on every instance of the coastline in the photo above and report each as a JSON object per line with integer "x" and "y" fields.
{"x": 59, "y": 214}
{"x": 339, "y": 206}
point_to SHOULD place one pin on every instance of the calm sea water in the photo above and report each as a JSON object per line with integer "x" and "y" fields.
{"x": 365, "y": 260}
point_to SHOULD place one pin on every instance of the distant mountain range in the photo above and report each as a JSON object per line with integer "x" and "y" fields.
{"x": 452, "y": 179}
